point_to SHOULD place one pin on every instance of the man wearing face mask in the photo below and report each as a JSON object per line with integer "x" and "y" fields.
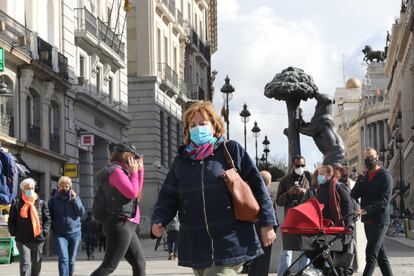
{"x": 374, "y": 187}
{"x": 289, "y": 194}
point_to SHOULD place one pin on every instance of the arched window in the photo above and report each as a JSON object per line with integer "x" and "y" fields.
{"x": 54, "y": 126}
{"x": 7, "y": 110}
{"x": 33, "y": 117}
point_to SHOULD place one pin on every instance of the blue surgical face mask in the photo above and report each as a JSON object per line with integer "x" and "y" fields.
{"x": 201, "y": 135}
{"x": 322, "y": 179}
{"x": 29, "y": 193}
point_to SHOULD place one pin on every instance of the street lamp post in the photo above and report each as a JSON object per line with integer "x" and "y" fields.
{"x": 227, "y": 89}
{"x": 256, "y": 134}
{"x": 262, "y": 159}
{"x": 245, "y": 114}
{"x": 266, "y": 150}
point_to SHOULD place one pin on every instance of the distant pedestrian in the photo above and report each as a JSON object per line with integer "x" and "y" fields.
{"x": 90, "y": 235}
{"x": 374, "y": 187}
{"x": 211, "y": 240}
{"x": 101, "y": 238}
{"x": 260, "y": 265}
{"x": 290, "y": 192}
{"x": 122, "y": 181}
{"x": 29, "y": 222}
{"x": 66, "y": 210}
{"x": 172, "y": 238}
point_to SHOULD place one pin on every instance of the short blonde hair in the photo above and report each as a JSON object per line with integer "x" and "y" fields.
{"x": 27, "y": 181}
{"x": 206, "y": 109}
{"x": 267, "y": 177}
{"x": 65, "y": 179}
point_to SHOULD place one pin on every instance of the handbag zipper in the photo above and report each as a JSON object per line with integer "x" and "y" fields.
{"x": 204, "y": 209}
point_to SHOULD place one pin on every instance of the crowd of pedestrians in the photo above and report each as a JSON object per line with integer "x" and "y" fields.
{"x": 195, "y": 208}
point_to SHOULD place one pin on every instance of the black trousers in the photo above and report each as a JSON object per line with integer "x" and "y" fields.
{"x": 375, "y": 250}
{"x": 260, "y": 265}
{"x": 121, "y": 241}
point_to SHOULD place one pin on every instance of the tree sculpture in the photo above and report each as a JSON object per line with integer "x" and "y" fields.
{"x": 292, "y": 85}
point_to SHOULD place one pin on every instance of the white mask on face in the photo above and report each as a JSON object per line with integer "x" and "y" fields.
{"x": 299, "y": 171}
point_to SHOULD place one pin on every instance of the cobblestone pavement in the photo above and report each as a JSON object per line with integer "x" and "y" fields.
{"x": 401, "y": 255}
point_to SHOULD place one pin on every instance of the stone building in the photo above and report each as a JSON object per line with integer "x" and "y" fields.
{"x": 170, "y": 44}
{"x": 66, "y": 67}
{"x": 401, "y": 93}
{"x": 361, "y": 113}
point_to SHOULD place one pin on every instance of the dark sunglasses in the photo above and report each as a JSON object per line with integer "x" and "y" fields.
{"x": 297, "y": 166}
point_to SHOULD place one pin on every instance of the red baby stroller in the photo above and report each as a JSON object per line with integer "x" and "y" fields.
{"x": 304, "y": 229}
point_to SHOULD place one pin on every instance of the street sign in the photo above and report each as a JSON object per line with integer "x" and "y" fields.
{"x": 71, "y": 170}
{"x": 2, "y": 60}
{"x": 87, "y": 139}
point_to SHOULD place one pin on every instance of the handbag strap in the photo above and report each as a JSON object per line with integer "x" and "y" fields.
{"x": 227, "y": 156}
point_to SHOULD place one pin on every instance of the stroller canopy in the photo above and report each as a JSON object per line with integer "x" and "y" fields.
{"x": 307, "y": 218}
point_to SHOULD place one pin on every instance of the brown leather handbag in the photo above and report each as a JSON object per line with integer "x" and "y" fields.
{"x": 245, "y": 204}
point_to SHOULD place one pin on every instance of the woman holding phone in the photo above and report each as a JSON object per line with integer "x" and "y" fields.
{"x": 66, "y": 211}
{"x": 122, "y": 181}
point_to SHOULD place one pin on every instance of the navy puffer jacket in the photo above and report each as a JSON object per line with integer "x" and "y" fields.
{"x": 209, "y": 234}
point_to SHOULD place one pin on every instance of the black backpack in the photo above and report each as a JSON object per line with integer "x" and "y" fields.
{"x": 99, "y": 211}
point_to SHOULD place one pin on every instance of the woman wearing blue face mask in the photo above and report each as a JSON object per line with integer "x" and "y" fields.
{"x": 212, "y": 241}
{"x": 29, "y": 222}
{"x": 334, "y": 195}
{"x": 66, "y": 211}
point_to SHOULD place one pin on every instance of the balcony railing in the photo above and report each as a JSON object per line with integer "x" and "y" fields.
{"x": 54, "y": 142}
{"x": 194, "y": 37}
{"x": 63, "y": 66}
{"x": 168, "y": 76}
{"x": 7, "y": 125}
{"x": 204, "y": 50}
{"x": 33, "y": 134}
{"x": 100, "y": 30}
{"x": 14, "y": 32}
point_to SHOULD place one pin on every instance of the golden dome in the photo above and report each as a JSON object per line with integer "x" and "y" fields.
{"x": 353, "y": 83}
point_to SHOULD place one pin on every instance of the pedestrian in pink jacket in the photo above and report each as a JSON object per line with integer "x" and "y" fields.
{"x": 122, "y": 180}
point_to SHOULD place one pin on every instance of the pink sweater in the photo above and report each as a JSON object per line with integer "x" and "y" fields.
{"x": 129, "y": 187}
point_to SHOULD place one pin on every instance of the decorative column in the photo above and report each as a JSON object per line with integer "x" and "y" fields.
{"x": 47, "y": 92}
{"x": 26, "y": 78}
{"x": 366, "y": 135}
{"x": 386, "y": 133}
{"x": 379, "y": 140}
{"x": 372, "y": 130}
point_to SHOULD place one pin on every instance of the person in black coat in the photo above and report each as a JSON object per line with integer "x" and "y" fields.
{"x": 374, "y": 188}
{"x": 212, "y": 241}
{"x": 29, "y": 221}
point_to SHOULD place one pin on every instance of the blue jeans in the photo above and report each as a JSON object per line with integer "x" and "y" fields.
{"x": 67, "y": 247}
{"x": 286, "y": 261}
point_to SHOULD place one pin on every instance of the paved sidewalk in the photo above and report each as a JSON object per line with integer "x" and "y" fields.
{"x": 402, "y": 240}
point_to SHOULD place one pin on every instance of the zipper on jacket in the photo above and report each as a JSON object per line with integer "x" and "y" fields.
{"x": 204, "y": 209}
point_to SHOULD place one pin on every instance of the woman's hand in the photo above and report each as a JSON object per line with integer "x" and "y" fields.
{"x": 132, "y": 165}
{"x": 157, "y": 230}
{"x": 268, "y": 235}
{"x": 140, "y": 163}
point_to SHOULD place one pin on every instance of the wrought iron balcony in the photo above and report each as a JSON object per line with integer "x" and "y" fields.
{"x": 7, "y": 125}
{"x": 14, "y": 33}
{"x": 63, "y": 66}
{"x": 205, "y": 52}
{"x": 33, "y": 134}
{"x": 169, "y": 78}
{"x": 54, "y": 142}
{"x": 94, "y": 31}
{"x": 194, "y": 38}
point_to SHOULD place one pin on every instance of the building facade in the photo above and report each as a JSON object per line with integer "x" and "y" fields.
{"x": 170, "y": 44}
{"x": 66, "y": 67}
{"x": 400, "y": 68}
{"x": 361, "y": 113}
